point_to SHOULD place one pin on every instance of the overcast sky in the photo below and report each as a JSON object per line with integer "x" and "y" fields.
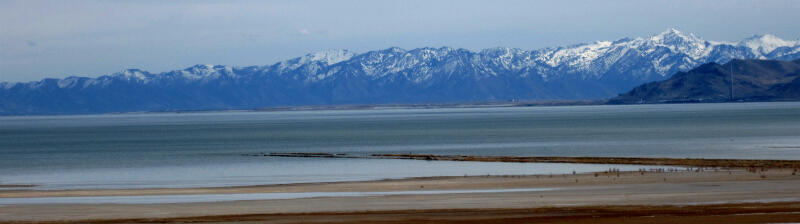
{"x": 90, "y": 38}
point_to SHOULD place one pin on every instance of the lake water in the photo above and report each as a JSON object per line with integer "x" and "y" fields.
{"x": 205, "y": 149}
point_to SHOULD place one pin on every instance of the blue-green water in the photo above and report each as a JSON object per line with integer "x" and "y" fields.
{"x": 204, "y": 149}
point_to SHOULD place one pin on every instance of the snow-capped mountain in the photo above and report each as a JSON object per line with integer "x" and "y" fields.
{"x": 585, "y": 71}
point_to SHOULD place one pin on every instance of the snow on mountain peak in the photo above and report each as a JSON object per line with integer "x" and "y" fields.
{"x": 429, "y": 52}
{"x": 201, "y": 69}
{"x": 661, "y": 54}
{"x": 673, "y": 36}
{"x": 763, "y": 44}
{"x": 395, "y": 50}
{"x": 67, "y": 82}
{"x": 501, "y": 51}
{"x": 579, "y": 55}
{"x": 205, "y": 71}
{"x": 328, "y": 56}
{"x": 131, "y": 74}
{"x": 679, "y": 42}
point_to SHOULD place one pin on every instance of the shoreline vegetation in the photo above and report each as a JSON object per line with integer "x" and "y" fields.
{"x": 687, "y": 162}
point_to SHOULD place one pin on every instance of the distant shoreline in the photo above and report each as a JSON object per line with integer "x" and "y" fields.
{"x": 352, "y": 107}
{"x": 686, "y": 162}
{"x": 402, "y": 106}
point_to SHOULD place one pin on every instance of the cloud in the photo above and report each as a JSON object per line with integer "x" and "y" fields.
{"x": 305, "y": 32}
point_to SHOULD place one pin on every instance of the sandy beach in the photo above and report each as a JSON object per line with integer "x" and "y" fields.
{"x": 736, "y": 192}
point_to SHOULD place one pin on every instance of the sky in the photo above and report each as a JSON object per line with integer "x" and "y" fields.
{"x": 57, "y": 39}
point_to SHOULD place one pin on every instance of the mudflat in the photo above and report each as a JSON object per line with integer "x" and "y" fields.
{"x": 768, "y": 195}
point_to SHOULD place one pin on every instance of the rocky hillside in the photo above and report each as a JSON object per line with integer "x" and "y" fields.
{"x": 753, "y": 80}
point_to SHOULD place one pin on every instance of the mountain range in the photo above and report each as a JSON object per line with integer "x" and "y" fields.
{"x": 753, "y": 80}
{"x": 596, "y": 70}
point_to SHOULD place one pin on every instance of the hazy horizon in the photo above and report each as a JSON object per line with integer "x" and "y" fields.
{"x": 92, "y": 38}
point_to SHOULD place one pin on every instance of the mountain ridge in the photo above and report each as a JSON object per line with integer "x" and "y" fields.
{"x": 394, "y": 75}
{"x": 753, "y": 80}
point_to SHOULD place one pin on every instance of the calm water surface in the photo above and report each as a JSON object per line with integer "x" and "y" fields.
{"x": 204, "y": 149}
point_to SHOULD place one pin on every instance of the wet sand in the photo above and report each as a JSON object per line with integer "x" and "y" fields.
{"x": 768, "y": 194}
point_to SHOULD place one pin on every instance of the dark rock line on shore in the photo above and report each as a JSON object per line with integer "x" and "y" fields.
{"x": 731, "y": 163}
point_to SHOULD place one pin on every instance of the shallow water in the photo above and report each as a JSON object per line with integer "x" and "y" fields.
{"x": 194, "y": 198}
{"x": 204, "y": 149}
{"x": 286, "y": 170}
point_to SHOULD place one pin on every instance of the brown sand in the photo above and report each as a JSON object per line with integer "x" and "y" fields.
{"x": 768, "y": 195}
{"x": 728, "y": 213}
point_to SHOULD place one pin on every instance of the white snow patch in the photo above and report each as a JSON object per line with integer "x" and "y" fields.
{"x": 67, "y": 82}
{"x": 328, "y": 56}
{"x": 581, "y": 55}
{"x": 204, "y": 72}
{"x": 764, "y": 44}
